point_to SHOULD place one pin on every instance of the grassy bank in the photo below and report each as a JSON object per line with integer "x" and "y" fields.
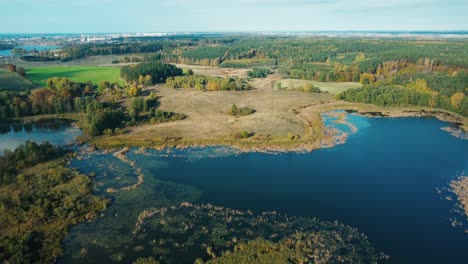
{"x": 253, "y": 144}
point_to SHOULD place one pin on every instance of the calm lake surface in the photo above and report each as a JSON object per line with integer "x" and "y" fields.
{"x": 388, "y": 180}
{"x": 58, "y": 132}
{"x": 28, "y": 48}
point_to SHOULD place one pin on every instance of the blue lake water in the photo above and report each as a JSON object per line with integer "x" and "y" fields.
{"x": 382, "y": 181}
{"x": 58, "y": 132}
{"x": 28, "y": 48}
{"x": 389, "y": 180}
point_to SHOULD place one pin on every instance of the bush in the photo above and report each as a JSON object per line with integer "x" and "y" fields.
{"x": 240, "y": 111}
{"x": 310, "y": 88}
{"x": 243, "y": 134}
{"x": 259, "y": 72}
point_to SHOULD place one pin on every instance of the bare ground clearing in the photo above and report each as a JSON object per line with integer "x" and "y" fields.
{"x": 215, "y": 71}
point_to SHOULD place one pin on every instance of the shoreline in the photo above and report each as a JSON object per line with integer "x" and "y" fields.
{"x": 458, "y": 127}
{"x": 267, "y": 144}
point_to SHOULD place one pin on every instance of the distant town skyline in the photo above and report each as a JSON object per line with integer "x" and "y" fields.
{"x": 87, "y": 16}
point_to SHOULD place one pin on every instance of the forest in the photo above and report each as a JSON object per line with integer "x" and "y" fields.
{"x": 159, "y": 72}
{"x": 24, "y": 156}
{"x": 392, "y": 95}
{"x": 82, "y": 51}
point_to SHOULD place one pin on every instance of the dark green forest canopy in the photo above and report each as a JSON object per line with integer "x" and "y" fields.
{"x": 159, "y": 72}
{"x": 81, "y": 51}
{"x": 452, "y": 53}
{"x": 401, "y": 96}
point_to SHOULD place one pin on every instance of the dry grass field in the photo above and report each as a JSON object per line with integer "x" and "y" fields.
{"x": 208, "y": 118}
{"x": 331, "y": 87}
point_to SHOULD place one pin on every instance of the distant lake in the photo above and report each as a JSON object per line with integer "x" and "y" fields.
{"x": 28, "y": 48}
{"x": 58, "y": 132}
{"x": 387, "y": 180}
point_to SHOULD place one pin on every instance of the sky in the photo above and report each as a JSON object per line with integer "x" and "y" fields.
{"x": 106, "y": 16}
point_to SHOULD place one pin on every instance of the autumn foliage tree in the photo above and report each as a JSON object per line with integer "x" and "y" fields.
{"x": 457, "y": 99}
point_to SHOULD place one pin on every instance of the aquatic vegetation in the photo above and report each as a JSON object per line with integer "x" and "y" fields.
{"x": 338, "y": 125}
{"x": 109, "y": 236}
{"x": 191, "y": 154}
{"x": 456, "y": 132}
{"x": 300, "y": 248}
{"x": 158, "y": 219}
{"x": 210, "y": 230}
{"x": 460, "y": 188}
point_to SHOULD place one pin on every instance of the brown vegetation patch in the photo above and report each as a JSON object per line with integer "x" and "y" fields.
{"x": 460, "y": 188}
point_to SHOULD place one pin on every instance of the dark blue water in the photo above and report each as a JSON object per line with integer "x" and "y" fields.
{"x": 382, "y": 181}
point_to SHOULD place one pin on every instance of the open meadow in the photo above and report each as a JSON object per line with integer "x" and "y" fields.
{"x": 75, "y": 73}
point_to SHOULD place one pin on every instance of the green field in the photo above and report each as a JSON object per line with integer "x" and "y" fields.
{"x": 12, "y": 82}
{"x": 75, "y": 73}
{"x": 331, "y": 87}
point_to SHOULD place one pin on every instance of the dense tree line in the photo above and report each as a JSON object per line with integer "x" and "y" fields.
{"x": 328, "y": 59}
{"x": 101, "y": 117}
{"x": 159, "y": 72}
{"x": 307, "y": 50}
{"x": 82, "y": 51}
{"x": 385, "y": 95}
{"x": 150, "y": 57}
{"x": 63, "y": 96}
{"x": 57, "y": 98}
{"x": 38, "y": 58}
{"x": 280, "y": 50}
{"x": 209, "y": 83}
{"x": 444, "y": 83}
{"x": 24, "y": 156}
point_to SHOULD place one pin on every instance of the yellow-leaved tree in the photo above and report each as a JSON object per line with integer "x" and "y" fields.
{"x": 456, "y": 99}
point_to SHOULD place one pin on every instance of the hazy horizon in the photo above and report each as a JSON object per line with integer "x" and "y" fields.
{"x": 206, "y": 16}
